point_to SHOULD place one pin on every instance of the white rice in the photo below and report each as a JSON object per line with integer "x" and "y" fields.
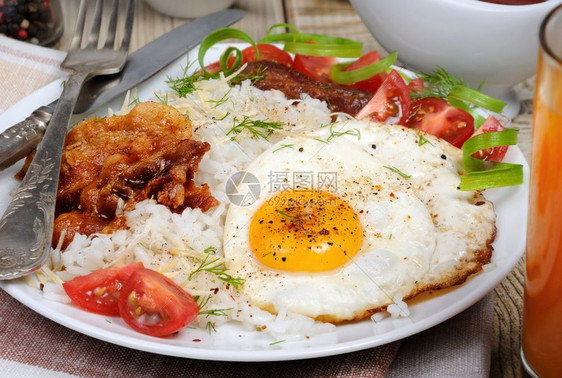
{"x": 175, "y": 244}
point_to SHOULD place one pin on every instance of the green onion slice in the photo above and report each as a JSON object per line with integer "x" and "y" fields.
{"x": 276, "y": 26}
{"x": 220, "y": 35}
{"x": 350, "y": 77}
{"x": 478, "y": 118}
{"x": 298, "y": 43}
{"x": 477, "y": 98}
{"x": 486, "y": 174}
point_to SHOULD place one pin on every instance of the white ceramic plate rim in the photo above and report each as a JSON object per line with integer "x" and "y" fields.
{"x": 511, "y": 208}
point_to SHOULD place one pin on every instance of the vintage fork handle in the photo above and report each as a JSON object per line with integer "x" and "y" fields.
{"x": 21, "y": 139}
{"x": 26, "y": 228}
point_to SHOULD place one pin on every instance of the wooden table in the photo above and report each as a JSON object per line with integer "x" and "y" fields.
{"x": 338, "y": 18}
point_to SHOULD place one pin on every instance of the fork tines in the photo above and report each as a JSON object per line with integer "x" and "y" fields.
{"x": 99, "y": 24}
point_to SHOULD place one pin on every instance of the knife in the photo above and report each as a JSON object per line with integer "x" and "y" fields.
{"x": 21, "y": 139}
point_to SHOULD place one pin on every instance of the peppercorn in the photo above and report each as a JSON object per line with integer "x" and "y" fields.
{"x": 30, "y": 20}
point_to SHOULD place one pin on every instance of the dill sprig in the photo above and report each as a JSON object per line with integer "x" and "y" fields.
{"x": 163, "y": 100}
{"x": 422, "y": 141}
{"x": 185, "y": 84}
{"x": 220, "y": 101}
{"x": 291, "y": 146}
{"x": 277, "y": 342}
{"x": 284, "y": 214}
{"x": 258, "y": 128}
{"x": 254, "y": 77}
{"x": 397, "y": 171}
{"x": 211, "y": 327}
{"x": 219, "y": 269}
{"x": 334, "y": 134}
{"x": 439, "y": 83}
{"x": 215, "y": 312}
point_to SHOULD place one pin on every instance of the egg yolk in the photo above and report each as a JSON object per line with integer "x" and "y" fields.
{"x": 310, "y": 231}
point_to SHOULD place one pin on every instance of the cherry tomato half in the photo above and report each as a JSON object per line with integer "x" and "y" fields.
{"x": 153, "y": 304}
{"x": 317, "y": 67}
{"x": 391, "y": 102}
{"x": 99, "y": 291}
{"x": 435, "y": 116}
{"x": 371, "y": 84}
{"x": 491, "y": 154}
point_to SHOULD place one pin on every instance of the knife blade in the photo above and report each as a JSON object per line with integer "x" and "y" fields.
{"x": 19, "y": 140}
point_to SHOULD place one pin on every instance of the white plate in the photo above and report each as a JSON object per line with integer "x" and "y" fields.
{"x": 231, "y": 343}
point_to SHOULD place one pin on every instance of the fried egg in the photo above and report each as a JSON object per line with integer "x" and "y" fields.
{"x": 352, "y": 215}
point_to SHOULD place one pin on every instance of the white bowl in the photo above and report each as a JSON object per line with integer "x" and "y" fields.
{"x": 189, "y": 8}
{"x": 471, "y": 39}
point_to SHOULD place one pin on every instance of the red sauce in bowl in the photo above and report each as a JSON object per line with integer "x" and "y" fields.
{"x": 514, "y": 2}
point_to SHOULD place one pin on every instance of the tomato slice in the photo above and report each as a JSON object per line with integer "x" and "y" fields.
{"x": 371, "y": 84}
{"x": 99, "y": 291}
{"x": 416, "y": 85}
{"x": 495, "y": 153}
{"x": 267, "y": 52}
{"x": 153, "y": 304}
{"x": 317, "y": 67}
{"x": 391, "y": 102}
{"x": 435, "y": 116}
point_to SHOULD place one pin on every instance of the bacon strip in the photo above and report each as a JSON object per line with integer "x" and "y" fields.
{"x": 145, "y": 154}
{"x": 294, "y": 84}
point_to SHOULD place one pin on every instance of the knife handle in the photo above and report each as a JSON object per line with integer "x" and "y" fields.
{"x": 21, "y": 139}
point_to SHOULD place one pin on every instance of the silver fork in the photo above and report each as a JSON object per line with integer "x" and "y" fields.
{"x": 26, "y": 228}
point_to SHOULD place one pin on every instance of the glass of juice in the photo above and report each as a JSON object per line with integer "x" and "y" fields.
{"x": 542, "y": 315}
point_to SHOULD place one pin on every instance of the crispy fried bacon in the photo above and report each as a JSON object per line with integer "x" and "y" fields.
{"x": 145, "y": 154}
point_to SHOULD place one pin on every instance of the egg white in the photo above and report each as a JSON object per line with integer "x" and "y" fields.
{"x": 415, "y": 221}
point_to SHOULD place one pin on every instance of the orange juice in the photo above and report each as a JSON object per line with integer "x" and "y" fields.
{"x": 542, "y": 316}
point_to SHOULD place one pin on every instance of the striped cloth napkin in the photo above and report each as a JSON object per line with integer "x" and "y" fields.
{"x": 33, "y": 346}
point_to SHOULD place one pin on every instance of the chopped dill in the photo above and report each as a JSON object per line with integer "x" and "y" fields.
{"x": 211, "y": 327}
{"x": 98, "y": 119}
{"x": 284, "y": 214}
{"x": 163, "y": 100}
{"x": 220, "y": 101}
{"x": 223, "y": 118}
{"x": 396, "y": 170}
{"x": 185, "y": 84}
{"x": 107, "y": 320}
{"x": 202, "y": 302}
{"x": 437, "y": 84}
{"x": 328, "y": 103}
{"x": 134, "y": 101}
{"x": 277, "y": 342}
{"x": 215, "y": 312}
{"x": 254, "y": 78}
{"x": 291, "y": 146}
{"x": 390, "y": 237}
{"x": 217, "y": 269}
{"x": 258, "y": 129}
{"x": 334, "y": 134}
{"x": 210, "y": 250}
{"x": 321, "y": 140}
{"x": 422, "y": 141}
